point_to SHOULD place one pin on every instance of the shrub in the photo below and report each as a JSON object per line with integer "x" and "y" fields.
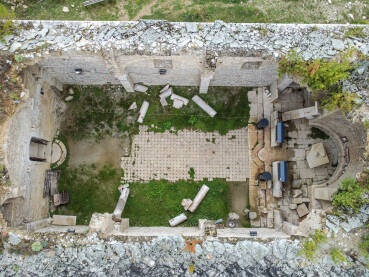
{"x": 312, "y": 244}
{"x": 351, "y": 196}
{"x": 324, "y": 77}
{"x": 191, "y": 172}
{"x": 337, "y": 256}
{"x": 6, "y": 27}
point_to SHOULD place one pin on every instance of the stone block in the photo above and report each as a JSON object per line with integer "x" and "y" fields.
{"x": 296, "y": 193}
{"x": 64, "y": 220}
{"x": 270, "y": 219}
{"x": 284, "y": 82}
{"x": 317, "y": 156}
{"x": 324, "y": 193}
{"x": 101, "y": 223}
{"x": 293, "y": 206}
{"x": 305, "y": 200}
{"x": 297, "y": 200}
{"x": 289, "y": 228}
{"x": 277, "y": 219}
{"x": 124, "y": 224}
{"x": 302, "y": 210}
{"x": 296, "y": 184}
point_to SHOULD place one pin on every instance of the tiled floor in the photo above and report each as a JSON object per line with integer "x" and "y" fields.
{"x": 170, "y": 156}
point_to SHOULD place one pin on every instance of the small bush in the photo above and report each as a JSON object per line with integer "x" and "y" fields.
{"x": 311, "y": 245}
{"x": 337, "y": 256}
{"x": 191, "y": 172}
{"x": 324, "y": 77}
{"x": 351, "y": 196}
{"x": 6, "y": 27}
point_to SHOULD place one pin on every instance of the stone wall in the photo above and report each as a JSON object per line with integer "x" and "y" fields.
{"x": 232, "y": 54}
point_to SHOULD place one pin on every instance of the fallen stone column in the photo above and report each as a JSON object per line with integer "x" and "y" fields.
{"x": 199, "y": 197}
{"x": 201, "y": 103}
{"x": 277, "y": 185}
{"x": 124, "y": 192}
{"x": 177, "y": 220}
{"x": 205, "y": 79}
{"x": 166, "y": 93}
{"x": 180, "y": 98}
{"x": 126, "y": 82}
{"x": 143, "y": 111}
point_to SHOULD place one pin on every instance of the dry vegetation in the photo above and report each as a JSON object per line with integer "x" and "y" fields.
{"x": 282, "y": 11}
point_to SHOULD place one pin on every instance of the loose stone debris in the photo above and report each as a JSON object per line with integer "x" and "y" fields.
{"x": 133, "y": 106}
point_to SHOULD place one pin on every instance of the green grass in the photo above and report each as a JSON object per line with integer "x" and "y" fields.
{"x": 149, "y": 204}
{"x": 134, "y": 6}
{"x": 154, "y": 203}
{"x": 278, "y": 11}
{"x": 91, "y": 190}
{"x": 231, "y": 104}
{"x": 99, "y": 111}
{"x": 53, "y": 10}
{"x": 197, "y": 13}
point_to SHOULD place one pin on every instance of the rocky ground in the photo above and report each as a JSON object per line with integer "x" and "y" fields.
{"x": 165, "y": 256}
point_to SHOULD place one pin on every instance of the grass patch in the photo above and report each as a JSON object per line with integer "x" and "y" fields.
{"x": 149, "y": 204}
{"x": 356, "y": 32}
{"x": 231, "y": 104}
{"x": 53, "y": 10}
{"x": 154, "y": 203}
{"x": 364, "y": 245}
{"x": 91, "y": 190}
{"x": 134, "y": 6}
{"x": 99, "y": 111}
{"x": 197, "y": 13}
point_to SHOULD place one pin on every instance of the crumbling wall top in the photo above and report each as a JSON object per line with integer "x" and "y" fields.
{"x": 155, "y": 37}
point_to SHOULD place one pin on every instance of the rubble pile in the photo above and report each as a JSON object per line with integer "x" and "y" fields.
{"x": 166, "y": 256}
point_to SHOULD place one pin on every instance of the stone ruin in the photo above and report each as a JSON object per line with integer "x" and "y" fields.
{"x": 57, "y": 53}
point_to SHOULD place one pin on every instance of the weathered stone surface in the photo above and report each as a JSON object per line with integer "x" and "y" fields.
{"x": 67, "y": 220}
{"x": 302, "y": 210}
{"x": 338, "y": 44}
{"x": 164, "y": 256}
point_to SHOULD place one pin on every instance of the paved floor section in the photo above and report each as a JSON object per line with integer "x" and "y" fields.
{"x": 170, "y": 156}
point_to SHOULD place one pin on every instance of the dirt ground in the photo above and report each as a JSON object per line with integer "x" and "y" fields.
{"x": 239, "y": 199}
{"x": 107, "y": 151}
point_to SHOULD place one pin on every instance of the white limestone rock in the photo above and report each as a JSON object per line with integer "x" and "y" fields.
{"x": 133, "y": 106}
{"x": 140, "y": 88}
